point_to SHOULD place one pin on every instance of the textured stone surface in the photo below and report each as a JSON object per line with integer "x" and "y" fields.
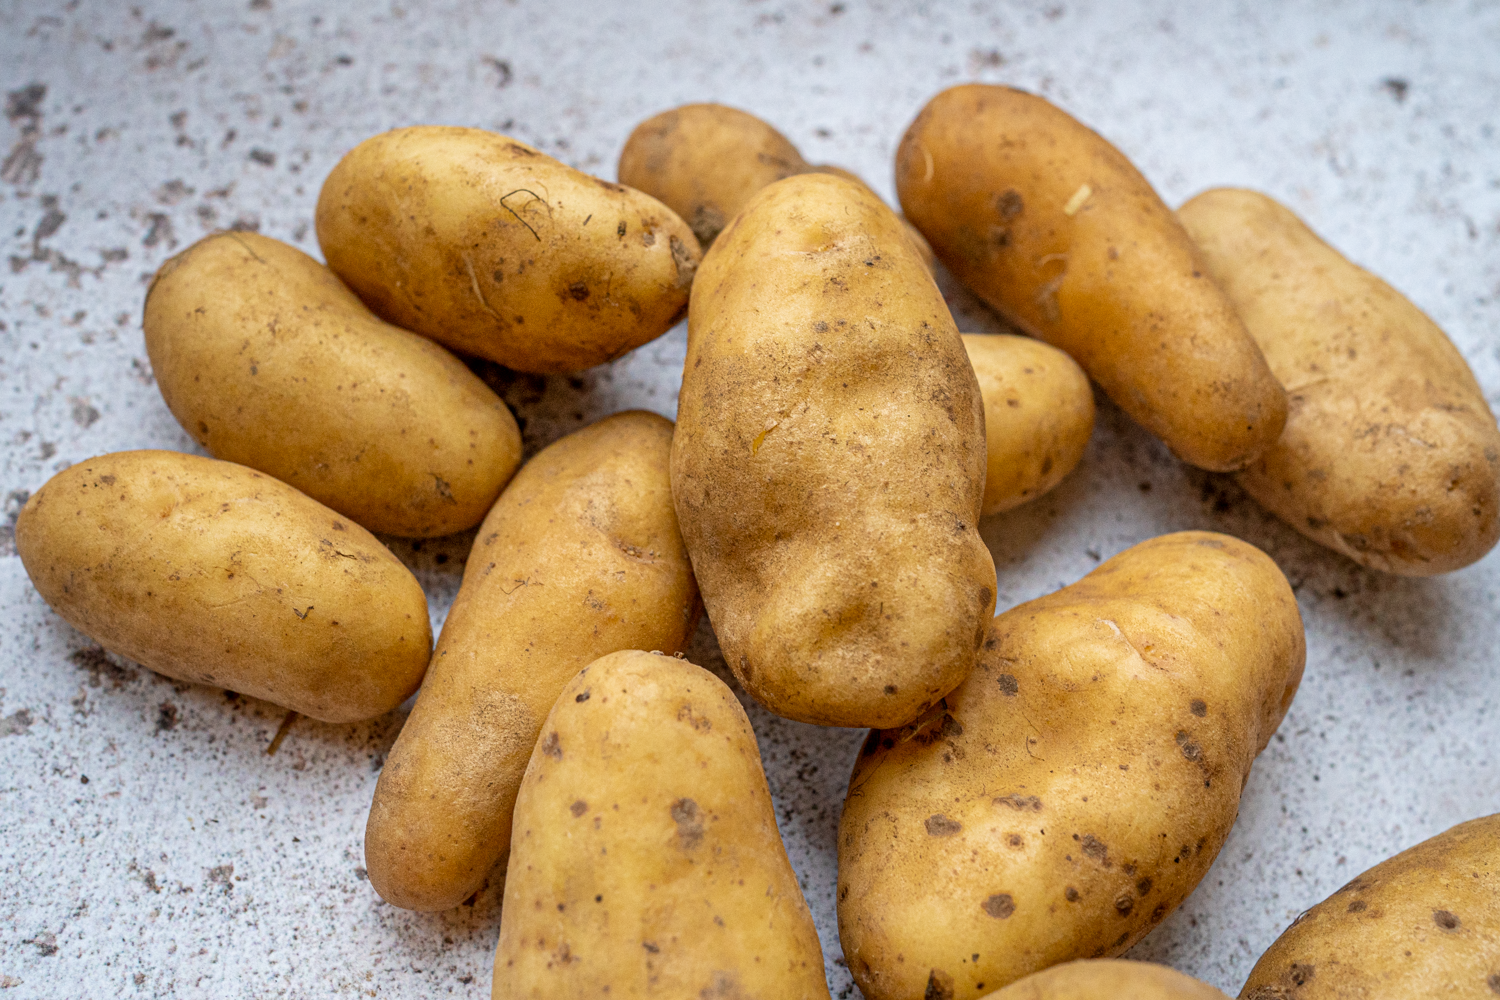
{"x": 150, "y": 847}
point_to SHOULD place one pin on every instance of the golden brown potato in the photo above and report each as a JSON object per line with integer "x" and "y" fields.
{"x": 580, "y": 557}
{"x": 267, "y": 360}
{"x": 1108, "y": 979}
{"x": 1390, "y": 454}
{"x": 1071, "y": 793}
{"x": 1425, "y": 923}
{"x": 706, "y": 161}
{"x": 210, "y": 572}
{"x": 1038, "y": 415}
{"x": 495, "y": 249}
{"x": 1056, "y": 230}
{"x": 647, "y": 862}
{"x": 828, "y": 461}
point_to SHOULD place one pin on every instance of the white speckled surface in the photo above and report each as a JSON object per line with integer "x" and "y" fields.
{"x": 149, "y": 847}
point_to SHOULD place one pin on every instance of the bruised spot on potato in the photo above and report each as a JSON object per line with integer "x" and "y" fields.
{"x": 1000, "y": 905}
{"x": 1190, "y": 750}
{"x": 1494, "y": 983}
{"x": 939, "y": 986}
{"x": 1010, "y": 204}
{"x": 578, "y": 808}
{"x": 951, "y": 726}
{"x": 1158, "y": 913}
{"x": 1071, "y": 894}
{"x": 1016, "y": 840}
{"x": 1447, "y": 921}
{"x": 578, "y": 291}
{"x": 552, "y": 747}
{"x": 1016, "y": 801}
{"x": 939, "y": 825}
{"x": 1299, "y": 974}
{"x": 582, "y": 697}
{"x": 1008, "y": 685}
{"x": 1124, "y": 903}
{"x": 1144, "y": 886}
{"x": 1358, "y": 906}
{"x": 1199, "y": 707}
{"x": 689, "y": 826}
{"x": 1094, "y": 848}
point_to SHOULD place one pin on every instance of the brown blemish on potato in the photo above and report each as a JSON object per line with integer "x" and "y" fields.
{"x": 1124, "y": 903}
{"x": 1444, "y": 919}
{"x": 1144, "y": 886}
{"x": 1000, "y": 905}
{"x": 1008, "y": 685}
{"x": 1010, "y": 204}
{"x": 1358, "y": 906}
{"x": 939, "y": 986}
{"x": 1016, "y": 801}
{"x": 578, "y": 808}
{"x": 1071, "y": 894}
{"x": 689, "y": 826}
{"x": 1190, "y": 750}
{"x": 552, "y": 747}
{"x": 582, "y": 697}
{"x": 939, "y": 825}
{"x": 1095, "y": 848}
{"x": 1494, "y": 983}
{"x": 1199, "y": 707}
{"x": 1016, "y": 840}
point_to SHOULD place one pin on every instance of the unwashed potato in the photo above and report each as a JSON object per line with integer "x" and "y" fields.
{"x": 496, "y": 249}
{"x": 581, "y": 556}
{"x": 1038, "y": 416}
{"x": 1390, "y": 454}
{"x": 828, "y": 465}
{"x": 267, "y": 360}
{"x": 706, "y": 161}
{"x": 1424, "y": 924}
{"x": 1054, "y": 228}
{"x": 210, "y": 572}
{"x": 647, "y": 862}
{"x": 1070, "y": 794}
{"x": 1108, "y": 979}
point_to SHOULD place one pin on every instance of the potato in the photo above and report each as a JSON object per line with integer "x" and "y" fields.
{"x": 705, "y": 162}
{"x": 267, "y": 360}
{"x": 1390, "y": 454}
{"x": 1054, "y": 228}
{"x": 1071, "y": 793}
{"x": 1108, "y": 979}
{"x": 1425, "y": 923}
{"x": 828, "y": 465}
{"x": 647, "y": 862}
{"x": 580, "y": 557}
{"x": 1038, "y": 416}
{"x": 210, "y": 572}
{"x": 495, "y": 249}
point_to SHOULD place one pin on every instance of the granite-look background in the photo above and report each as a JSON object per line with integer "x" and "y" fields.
{"x": 148, "y": 844}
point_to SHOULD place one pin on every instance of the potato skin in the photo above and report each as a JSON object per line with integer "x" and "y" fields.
{"x": 495, "y": 249}
{"x": 1070, "y": 794}
{"x": 581, "y": 556}
{"x": 705, "y": 162}
{"x": 647, "y": 861}
{"x": 828, "y": 465}
{"x": 1425, "y": 923}
{"x": 1038, "y": 416}
{"x": 1108, "y": 979}
{"x": 1391, "y": 455}
{"x": 210, "y": 572}
{"x": 1054, "y": 228}
{"x": 267, "y": 360}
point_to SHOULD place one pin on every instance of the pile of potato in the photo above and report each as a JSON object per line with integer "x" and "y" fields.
{"x": 1038, "y": 789}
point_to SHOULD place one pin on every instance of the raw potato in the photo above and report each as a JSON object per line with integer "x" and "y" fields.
{"x": 1056, "y": 230}
{"x": 1425, "y": 923}
{"x": 1390, "y": 454}
{"x": 267, "y": 360}
{"x": 1071, "y": 793}
{"x": 580, "y": 557}
{"x": 1038, "y": 416}
{"x": 210, "y": 572}
{"x": 706, "y": 161}
{"x": 647, "y": 862}
{"x": 828, "y": 465}
{"x": 1108, "y": 979}
{"x": 495, "y": 249}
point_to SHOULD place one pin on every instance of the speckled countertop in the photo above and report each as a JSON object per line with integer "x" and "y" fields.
{"x": 148, "y": 844}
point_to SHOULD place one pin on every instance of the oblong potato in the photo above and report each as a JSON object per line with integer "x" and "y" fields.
{"x": 210, "y": 572}
{"x": 1108, "y": 979}
{"x": 267, "y": 360}
{"x": 1038, "y": 416}
{"x": 1391, "y": 455}
{"x": 496, "y": 249}
{"x": 1054, "y": 228}
{"x": 581, "y": 556}
{"x": 706, "y": 161}
{"x": 647, "y": 861}
{"x": 1070, "y": 794}
{"x": 1425, "y": 923}
{"x": 828, "y": 465}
